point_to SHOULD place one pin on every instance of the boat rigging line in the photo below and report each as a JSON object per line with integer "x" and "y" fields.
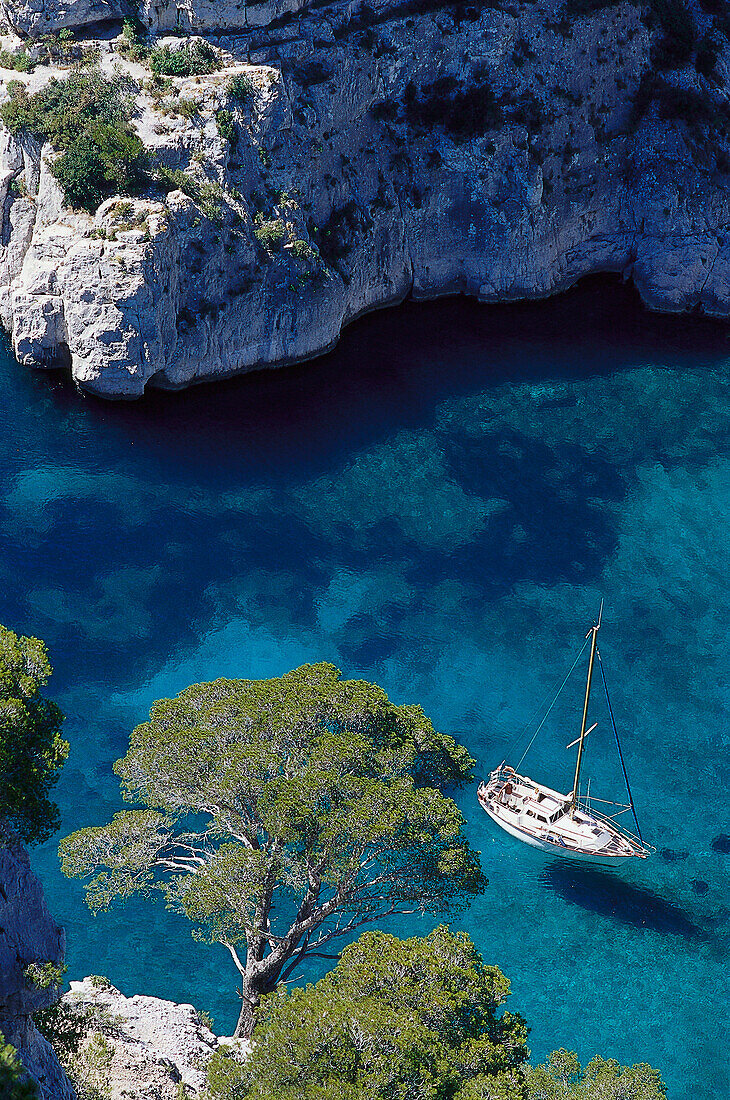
{"x": 547, "y": 713}
{"x": 618, "y": 746}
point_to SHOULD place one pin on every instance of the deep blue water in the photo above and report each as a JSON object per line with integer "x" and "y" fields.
{"x": 439, "y": 505}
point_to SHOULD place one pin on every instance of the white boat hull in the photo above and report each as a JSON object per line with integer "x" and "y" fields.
{"x": 553, "y": 823}
{"x": 550, "y": 847}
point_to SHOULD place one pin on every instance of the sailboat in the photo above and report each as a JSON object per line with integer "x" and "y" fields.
{"x": 565, "y": 825}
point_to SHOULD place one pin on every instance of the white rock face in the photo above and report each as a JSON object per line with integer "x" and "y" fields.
{"x": 37, "y": 17}
{"x": 156, "y": 1044}
{"x": 28, "y": 934}
{"x": 505, "y": 157}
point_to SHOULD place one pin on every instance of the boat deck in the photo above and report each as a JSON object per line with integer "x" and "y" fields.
{"x": 545, "y": 818}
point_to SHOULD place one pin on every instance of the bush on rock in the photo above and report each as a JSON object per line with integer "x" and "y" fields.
{"x": 86, "y": 118}
{"x": 395, "y": 1018}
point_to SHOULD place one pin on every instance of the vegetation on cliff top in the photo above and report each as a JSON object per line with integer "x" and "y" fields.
{"x": 32, "y": 750}
{"x": 395, "y": 1018}
{"x": 405, "y": 1019}
{"x": 281, "y": 815}
{"x": 86, "y": 117}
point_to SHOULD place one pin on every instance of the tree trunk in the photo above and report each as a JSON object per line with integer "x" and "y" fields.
{"x": 253, "y": 986}
{"x": 247, "y": 1016}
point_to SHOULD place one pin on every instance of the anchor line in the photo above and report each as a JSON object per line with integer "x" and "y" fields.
{"x": 618, "y": 746}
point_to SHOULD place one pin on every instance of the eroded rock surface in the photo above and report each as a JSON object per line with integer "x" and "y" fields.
{"x": 423, "y": 147}
{"x": 28, "y": 935}
{"x": 155, "y": 1046}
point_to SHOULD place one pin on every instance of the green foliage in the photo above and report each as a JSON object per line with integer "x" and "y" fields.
{"x": 44, "y": 975}
{"x": 19, "y": 188}
{"x": 85, "y": 116}
{"x": 395, "y": 1018}
{"x": 103, "y": 161}
{"x": 14, "y": 1084}
{"x": 207, "y": 194}
{"x": 562, "y": 1078}
{"x": 303, "y": 251}
{"x": 193, "y": 58}
{"x": 240, "y": 88}
{"x": 226, "y": 125}
{"x": 90, "y": 1069}
{"x": 64, "y": 1027}
{"x": 32, "y": 751}
{"x": 131, "y": 44}
{"x": 281, "y": 814}
{"x": 19, "y": 59}
{"x": 271, "y": 233}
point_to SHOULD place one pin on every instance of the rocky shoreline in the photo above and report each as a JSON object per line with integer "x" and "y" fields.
{"x": 514, "y": 152}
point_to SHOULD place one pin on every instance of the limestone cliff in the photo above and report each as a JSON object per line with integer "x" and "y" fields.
{"x": 503, "y": 150}
{"x": 150, "y": 1049}
{"x": 29, "y": 937}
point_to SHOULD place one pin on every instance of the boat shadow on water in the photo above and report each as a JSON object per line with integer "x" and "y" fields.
{"x": 602, "y": 893}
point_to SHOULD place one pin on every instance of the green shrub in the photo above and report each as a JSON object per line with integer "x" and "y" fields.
{"x": 271, "y": 233}
{"x": 303, "y": 251}
{"x": 84, "y": 117}
{"x": 192, "y": 59}
{"x": 180, "y": 105}
{"x": 19, "y": 188}
{"x": 19, "y": 60}
{"x": 104, "y": 160}
{"x": 395, "y": 1018}
{"x": 90, "y": 1069}
{"x": 43, "y": 975}
{"x": 205, "y": 193}
{"x": 240, "y": 87}
{"x": 131, "y": 44}
{"x": 226, "y": 125}
{"x": 64, "y": 1027}
{"x": 562, "y": 1077}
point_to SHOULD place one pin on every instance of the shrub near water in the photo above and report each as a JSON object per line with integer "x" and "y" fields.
{"x": 394, "y": 1019}
{"x": 85, "y": 117}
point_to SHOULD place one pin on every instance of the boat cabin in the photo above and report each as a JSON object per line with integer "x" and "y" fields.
{"x": 522, "y": 796}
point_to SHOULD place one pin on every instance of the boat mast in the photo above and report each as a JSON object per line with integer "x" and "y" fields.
{"x": 594, "y": 631}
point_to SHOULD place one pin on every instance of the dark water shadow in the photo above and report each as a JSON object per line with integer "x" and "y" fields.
{"x": 388, "y": 369}
{"x": 279, "y": 430}
{"x": 608, "y": 896}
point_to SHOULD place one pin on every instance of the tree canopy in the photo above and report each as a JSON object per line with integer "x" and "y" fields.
{"x": 563, "y": 1078}
{"x": 280, "y": 815}
{"x": 415, "y": 1019}
{"x": 395, "y": 1020}
{"x": 32, "y": 750}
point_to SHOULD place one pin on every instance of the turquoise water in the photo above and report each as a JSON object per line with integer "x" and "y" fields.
{"x": 439, "y": 505}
